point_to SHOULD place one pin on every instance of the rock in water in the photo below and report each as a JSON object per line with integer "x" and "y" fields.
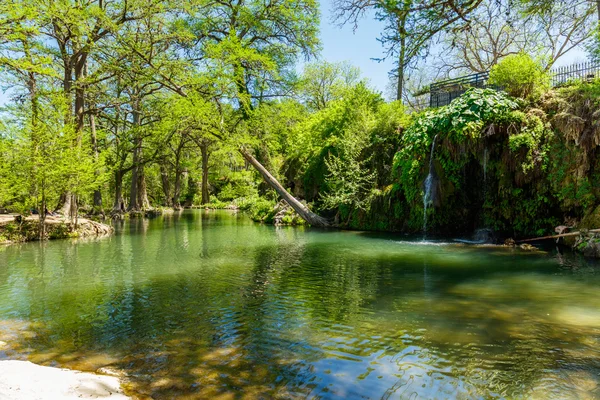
{"x": 588, "y": 244}
{"x": 528, "y": 247}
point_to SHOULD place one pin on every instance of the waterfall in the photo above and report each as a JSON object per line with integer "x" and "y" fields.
{"x": 488, "y": 232}
{"x": 428, "y": 188}
{"x": 485, "y": 161}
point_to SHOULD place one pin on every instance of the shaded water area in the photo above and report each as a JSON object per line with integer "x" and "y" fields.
{"x": 209, "y": 304}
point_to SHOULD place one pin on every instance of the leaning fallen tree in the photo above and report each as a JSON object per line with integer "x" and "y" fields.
{"x": 562, "y": 235}
{"x": 300, "y": 208}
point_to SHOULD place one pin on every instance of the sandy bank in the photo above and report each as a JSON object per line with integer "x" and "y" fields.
{"x": 23, "y": 380}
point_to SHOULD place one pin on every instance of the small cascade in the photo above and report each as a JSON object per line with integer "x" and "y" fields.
{"x": 486, "y": 157}
{"x": 485, "y": 161}
{"x": 428, "y": 188}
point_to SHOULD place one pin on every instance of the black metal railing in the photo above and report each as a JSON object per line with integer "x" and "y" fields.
{"x": 576, "y": 72}
{"x": 443, "y": 92}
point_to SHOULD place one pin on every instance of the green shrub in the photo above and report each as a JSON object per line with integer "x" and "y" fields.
{"x": 520, "y": 76}
{"x": 464, "y": 120}
{"x": 236, "y": 185}
{"x": 216, "y": 204}
{"x": 481, "y": 121}
{"x": 258, "y": 208}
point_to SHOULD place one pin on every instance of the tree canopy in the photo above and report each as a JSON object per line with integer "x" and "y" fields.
{"x": 129, "y": 105}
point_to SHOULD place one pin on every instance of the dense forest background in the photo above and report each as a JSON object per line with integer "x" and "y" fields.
{"x": 126, "y": 106}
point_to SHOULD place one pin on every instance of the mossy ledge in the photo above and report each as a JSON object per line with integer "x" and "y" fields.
{"x": 17, "y": 228}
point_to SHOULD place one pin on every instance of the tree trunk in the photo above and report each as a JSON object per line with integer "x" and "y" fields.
{"x": 70, "y": 207}
{"x": 79, "y": 119}
{"x": 134, "y": 196}
{"x": 401, "y": 58}
{"x": 300, "y": 208}
{"x": 42, "y": 214}
{"x": 142, "y": 199}
{"x": 166, "y": 185}
{"x": 80, "y": 67}
{"x": 97, "y": 192}
{"x": 400, "y": 82}
{"x": 204, "y": 151}
{"x": 178, "y": 173}
{"x": 192, "y": 190}
{"x": 262, "y": 156}
{"x": 177, "y": 185}
{"x": 64, "y": 205}
{"x": 138, "y": 196}
{"x": 119, "y": 203}
{"x": 33, "y": 96}
{"x": 94, "y": 139}
{"x": 177, "y": 189}
{"x": 67, "y": 205}
{"x": 246, "y": 108}
{"x": 67, "y": 84}
{"x": 133, "y": 189}
{"x": 556, "y": 236}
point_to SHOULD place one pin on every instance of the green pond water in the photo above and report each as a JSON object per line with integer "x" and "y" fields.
{"x": 208, "y": 304}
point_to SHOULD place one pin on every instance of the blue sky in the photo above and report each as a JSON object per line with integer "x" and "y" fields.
{"x": 360, "y": 47}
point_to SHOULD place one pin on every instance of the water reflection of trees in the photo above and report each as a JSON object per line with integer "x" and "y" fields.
{"x": 205, "y": 307}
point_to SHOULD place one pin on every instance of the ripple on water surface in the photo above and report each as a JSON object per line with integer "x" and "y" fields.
{"x": 208, "y": 304}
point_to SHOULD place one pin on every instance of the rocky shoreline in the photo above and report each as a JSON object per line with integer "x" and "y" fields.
{"x": 16, "y": 228}
{"x": 588, "y": 244}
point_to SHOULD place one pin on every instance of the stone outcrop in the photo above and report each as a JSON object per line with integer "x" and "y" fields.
{"x": 588, "y": 244}
{"x": 17, "y": 228}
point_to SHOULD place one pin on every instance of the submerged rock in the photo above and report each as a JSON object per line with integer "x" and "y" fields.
{"x": 285, "y": 215}
{"x": 528, "y": 247}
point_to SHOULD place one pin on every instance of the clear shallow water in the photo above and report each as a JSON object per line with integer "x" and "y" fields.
{"x": 208, "y": 304}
